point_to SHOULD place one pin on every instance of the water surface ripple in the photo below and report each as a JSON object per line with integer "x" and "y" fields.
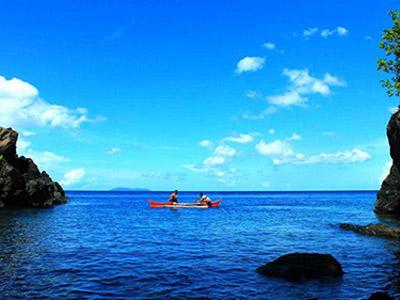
{"x": 111, "y": 245}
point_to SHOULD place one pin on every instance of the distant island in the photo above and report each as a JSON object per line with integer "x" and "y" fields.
{"x": 126, "y": 189}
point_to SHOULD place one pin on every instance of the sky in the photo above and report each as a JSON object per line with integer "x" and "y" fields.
{"x": 198, "y": 95}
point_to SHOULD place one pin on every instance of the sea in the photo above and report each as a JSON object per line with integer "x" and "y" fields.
{"x": 112, "y": 245}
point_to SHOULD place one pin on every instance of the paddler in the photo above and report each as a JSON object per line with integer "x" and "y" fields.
{"x": 173, "y": 198}
{"x": 204, "y": 199}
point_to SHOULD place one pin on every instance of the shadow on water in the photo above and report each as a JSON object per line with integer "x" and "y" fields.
{"x": 387, "y": 220}
{"x": 18, "y": 236}
{"x": 12, "y": 239}
{"x": 393, "y": 270}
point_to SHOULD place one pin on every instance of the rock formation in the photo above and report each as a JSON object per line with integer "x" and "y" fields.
{"x": 300, "y": 266}
{"x": 378, "y": 230}
{"x": 388, "y": 199}
{"x": 380, "y": 296}
{"x": 21, "y": 182}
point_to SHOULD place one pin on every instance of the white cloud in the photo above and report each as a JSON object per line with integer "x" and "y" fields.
{"x": 277, "y": 148}
{"x": 241, "y": 139}
{"x": 329, "y": 133}
{"x": 250, "y": 116}
{"x": 195, "y": 168}
{"x": 282, "y": 152}
{"x": 341, "y": 157}
{"x": 214, "y": 170}
{"x": 332, "y": 80}
{"x": 221, "y": 154}
{"x": 269, "y": 46}
{"x": 214, "y": 160}
{"x": 113, "y": 150}
{"x": 271, "y": 131}
{"x": 341, "y": 31}
{"x": 215, "y": 164}
{"x": 22, "y": 107}
{"x": 250, "y": 64}
{"x": 27, "y": 133}
{"x": 225, "y": 150}
{"x": 268, "y": 111}
{"x": 325, "y": 33}
{"x": 310, "y": 32}
{"x": 294, "y": 137}
{"x": 73, "y": 177}
{"x": 286, "y": 99}
{"x": 22, "y": 145}
{"x": 251, "y": 94}
{"x": 205, "y": 143}
{"x": 301, "y": 83}
{"x": 45, "y": 159}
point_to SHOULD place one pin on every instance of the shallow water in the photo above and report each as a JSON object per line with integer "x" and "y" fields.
{"x": 113, "y": 245}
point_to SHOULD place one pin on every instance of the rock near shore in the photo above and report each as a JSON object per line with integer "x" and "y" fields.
{"x": 21, "y": 182}
{"x": 378, "y": 230}
{"x": 301, "y": 266}
{"x": 380, "y": 296}
{"x": 388, "y": 199}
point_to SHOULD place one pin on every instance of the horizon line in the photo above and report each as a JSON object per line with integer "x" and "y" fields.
{"x": 225, "y": 191}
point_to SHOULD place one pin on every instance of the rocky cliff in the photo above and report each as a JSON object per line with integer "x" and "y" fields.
{"x": 388, "y": 200}
{"x": 21, "y": 182}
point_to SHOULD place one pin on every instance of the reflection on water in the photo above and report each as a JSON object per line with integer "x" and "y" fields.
{"x": 393, "y": 268}
{"x": 388, "y": 221}
{"x": 112, "y": 245}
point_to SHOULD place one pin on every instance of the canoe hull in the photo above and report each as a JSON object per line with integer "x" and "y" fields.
{"x": 181, "y": 205}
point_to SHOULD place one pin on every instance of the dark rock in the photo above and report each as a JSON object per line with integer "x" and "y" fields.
{"x": 378, "y": 230}
{"x": 8, "y": 143}
{"x": 59, "y": 196}
{"x": 21, "y": 183}
{"x": 299, "y": 266}
{"x": 12, "y": 185}
{"x": 380, "y": 296}
{"x": 39, "y": 192}
{"x": 388, "y": 198}
{"x": 27, "y": 167}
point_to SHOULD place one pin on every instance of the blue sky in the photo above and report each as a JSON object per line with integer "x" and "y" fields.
{"x": 205, "y": 95}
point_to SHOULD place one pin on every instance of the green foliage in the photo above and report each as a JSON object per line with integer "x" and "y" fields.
{"x": 390, "y": 43}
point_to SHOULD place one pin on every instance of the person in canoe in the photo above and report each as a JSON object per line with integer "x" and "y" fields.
{"x": 173, "y": 198}
{"x": 204, "y": 199}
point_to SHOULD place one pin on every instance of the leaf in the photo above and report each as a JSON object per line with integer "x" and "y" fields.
{"x": 390, "y": 44}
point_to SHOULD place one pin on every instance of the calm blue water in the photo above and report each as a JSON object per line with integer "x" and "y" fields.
{"x": 111, "y": 245}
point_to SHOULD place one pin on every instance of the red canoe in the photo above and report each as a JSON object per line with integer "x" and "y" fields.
{"x": 182, "y": 205}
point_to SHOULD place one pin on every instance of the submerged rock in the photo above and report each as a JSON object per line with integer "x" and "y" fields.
{"x": 300, "y": 266}
{"x": 378, "y": 230}
{"x": 21, "y": 182}
{"x": 388, "y": 198}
